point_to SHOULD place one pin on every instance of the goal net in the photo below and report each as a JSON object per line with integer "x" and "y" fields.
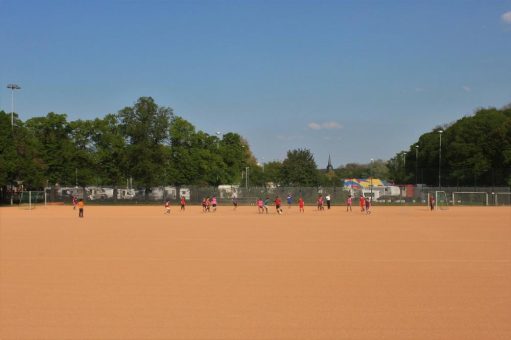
{"x": 441, "y": 201}
{"x": 470, "y": 198}
{"x": 502, "y": 198}
{"x": 31, "y": 199}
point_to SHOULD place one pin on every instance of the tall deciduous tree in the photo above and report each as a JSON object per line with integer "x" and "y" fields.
{"x": 299, "y": 168}
{"x": 146, "y": 127}
{"x": 19, "y": 156}
{"x": 55, "y": 146}
{"x": 110, "y": 150}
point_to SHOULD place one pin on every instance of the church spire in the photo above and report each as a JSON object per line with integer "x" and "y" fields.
{"x": 329, "y": 167}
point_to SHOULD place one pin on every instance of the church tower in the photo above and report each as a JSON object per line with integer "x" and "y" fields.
{"x": 329, "y": 167}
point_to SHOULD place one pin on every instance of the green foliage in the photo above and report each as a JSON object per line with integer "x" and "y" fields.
{"x": 109, "y": 149}
{"x": 146, "y": 127}
{"x": 273, "y": 172}
{"x": 476, "y": 150}
{"x": 145, "y": 142}
{"x": 54, "y": 144}
{"x": 19, "y": 159}
{"x": 376, "y": 169}
{"x": 154, "y": 147}
{"x": 299, "y": 169}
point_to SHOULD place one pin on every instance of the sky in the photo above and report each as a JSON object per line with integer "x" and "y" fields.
{"x": 352, "y": 79}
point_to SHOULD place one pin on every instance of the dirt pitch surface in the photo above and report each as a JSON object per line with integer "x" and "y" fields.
{"x": 135, "y": 273}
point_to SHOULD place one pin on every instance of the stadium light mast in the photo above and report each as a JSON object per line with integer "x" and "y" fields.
{"x": 13, "y": 87}
{"x": 416, "y": 164}
{"x": 440, "y": 160}
{"x": 218, "y": 140}
{"x": 246, "y": 177}
{"x": 371, "y": 173}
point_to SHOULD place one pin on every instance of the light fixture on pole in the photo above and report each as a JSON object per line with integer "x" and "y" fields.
{"x": 440, "y": 160}
{"x": 246, "y": 177}
{"x": 371, "y": 174}
{"x": 218, "y": 140}
{"x": 416, "y": 164}
{"x": 13, "y": 87}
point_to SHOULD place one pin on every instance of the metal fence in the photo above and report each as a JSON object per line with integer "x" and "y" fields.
{"x": 392, "y": 195}
{"x": 193, "y": 194}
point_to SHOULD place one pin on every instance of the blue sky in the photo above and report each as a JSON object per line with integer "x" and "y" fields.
{"x": 354, "y": 79}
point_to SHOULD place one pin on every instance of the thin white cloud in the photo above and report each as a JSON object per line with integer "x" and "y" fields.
{"x": 324, "y": 126}
{"x": 506, "y": 17}
{"x": 466, "y": 88}
{"x": 314, "y": 126}
{"x": 331, "y": 125}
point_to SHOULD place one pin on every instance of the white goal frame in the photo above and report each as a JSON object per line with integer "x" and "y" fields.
{"x": 471, "y": 193}
{"x": 441, "y": 207}
{"x": 32, "y": 199}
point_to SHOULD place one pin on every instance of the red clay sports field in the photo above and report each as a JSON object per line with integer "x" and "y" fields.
{"x": 135, "y": 273}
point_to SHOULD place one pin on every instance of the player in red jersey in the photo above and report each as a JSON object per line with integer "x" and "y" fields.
{"x": 278, "y": 203}
{"x": 320, "y": 203}
{"x": 348, "y": 203}
{"x": 183, "y": 203}
{"x": 301, "y": 204}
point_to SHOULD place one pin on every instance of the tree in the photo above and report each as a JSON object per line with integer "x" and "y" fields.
{"x": 476, "y": 150}
{"x": 110, "y": 150}
{"x": 146, "y": 126}
{"x": 19, "y": 159}
{"x": 273, "y": 172}
{"x": 55, "y": 147}
{"x": 182, "y": 168}
{"x": 236, "y": 155}
{"x": 299, "y": 169}
{"x": 81, "y": 133}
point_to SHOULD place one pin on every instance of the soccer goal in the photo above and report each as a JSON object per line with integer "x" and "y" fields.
{"x": 31, "y": 199}
{"x": 502, "y": 198}
{"x": 469, "y": 198}
{"x": 441, "y": 201}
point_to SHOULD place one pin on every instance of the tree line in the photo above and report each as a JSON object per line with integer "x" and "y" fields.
{"x": 145, "y": 145}
{"x": 473, "y": 151}
{"x": 148, "y": 145}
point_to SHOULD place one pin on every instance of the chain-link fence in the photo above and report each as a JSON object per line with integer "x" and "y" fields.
{"x": 194, "y": 194}
{"x": 389, "y": 195}
{"x": 411, "y": 194}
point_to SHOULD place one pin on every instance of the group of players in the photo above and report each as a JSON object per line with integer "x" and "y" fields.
{"x": 210, "y": 204}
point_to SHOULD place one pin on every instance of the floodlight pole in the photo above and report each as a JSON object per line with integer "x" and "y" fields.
{"x": 416, "y": 164}
{"x": 13, "y": 87}
{"x": 246, "y": 177}
{"x": 371, "y": 173}
{"x": 218, "y": 140}
{"x": 440, "y": 161}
